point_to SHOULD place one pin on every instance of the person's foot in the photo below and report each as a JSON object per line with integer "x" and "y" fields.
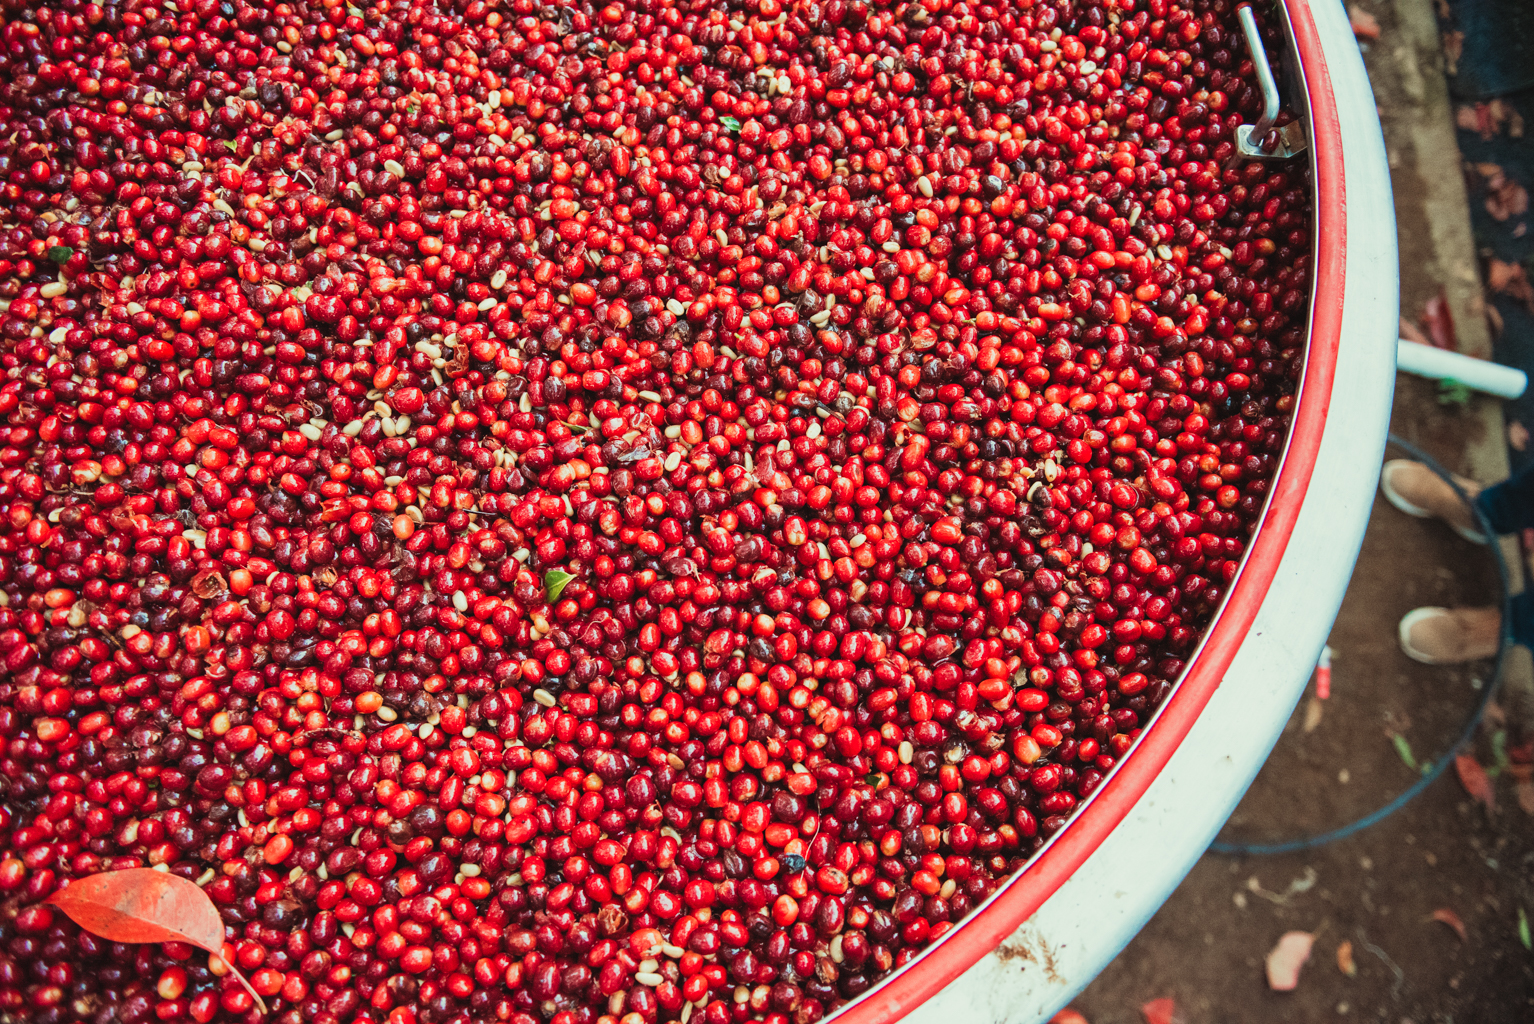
{"x": 1418, "y": 491}
{"x": 1448, "y": 636}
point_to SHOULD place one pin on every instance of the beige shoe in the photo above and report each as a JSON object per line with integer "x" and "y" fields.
{"x": 1449, "y": 636}
{"x": 1418, "y": 491}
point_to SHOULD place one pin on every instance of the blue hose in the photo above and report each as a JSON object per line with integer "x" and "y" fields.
{"x": 1440, "y": 765}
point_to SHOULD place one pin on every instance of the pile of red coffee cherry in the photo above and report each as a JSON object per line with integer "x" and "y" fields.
{"x": 604, "y": 514}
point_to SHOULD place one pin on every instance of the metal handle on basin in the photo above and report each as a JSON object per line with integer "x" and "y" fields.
{"x": 1290, "y": 140}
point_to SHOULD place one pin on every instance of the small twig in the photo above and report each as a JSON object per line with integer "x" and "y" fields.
{"x": 1297, "y": 886}
{"x": 1384, "y": 957}
{"x": 819, "y": 822}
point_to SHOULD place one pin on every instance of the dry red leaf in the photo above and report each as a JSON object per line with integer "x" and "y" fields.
{"x": 1510, "y": 280}
{"x": 1438, "y": 321}
{"x": 1501, "y": 115}
{"x": 1345, "y": 962}
{"x": 1490, "y": 119}
{"x": 1446, "y": 916}
{"x": 1286, "y": 959}
{"x": 1507, "y": 197}
{"x": 1453, "y": 50}
{"x": 1159, "y": 1011}
{"x": 1524, "y": 791}
{"x": 1365, "y": 25}
{"x": 1504, "y": 113}
{"x": 145, "y": 905}
{"x": 1474, "y": 119}
{"x": 1473, "y": 777}
{"x": 1411, "y": 332}
{"x": 1068, "y": 1016}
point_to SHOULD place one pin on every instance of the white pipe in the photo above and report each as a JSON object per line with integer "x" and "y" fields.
{"x": 1441, "y": 364}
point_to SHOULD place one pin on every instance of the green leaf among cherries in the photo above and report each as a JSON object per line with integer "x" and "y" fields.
{"x": 554, "y": 582}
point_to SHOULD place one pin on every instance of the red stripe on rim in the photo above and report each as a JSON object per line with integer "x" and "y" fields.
{"x": 965, "y": 945}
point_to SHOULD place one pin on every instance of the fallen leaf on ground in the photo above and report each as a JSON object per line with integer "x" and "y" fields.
{"x": 1158, "y": 1011}
{"x": 1473, "y": 777}
{"x": 1453, "y": 392}
{"x": 1364, "y": 24}
{"x": 1495, "y": 717}
{"x": 1498, "y": 754}
{"x": 1403, "y": 750}
{"x": 1312, "y": 714}
{"x": 1503, "y": 114}
{"x": 1507, "y": 198}
{"x": 1438, "y": 321}
{"x": 1489, "y": 119}
{"x": 1411, "y": 332}
{"x": 1345, "y": 962}
{"x": 1286, "y": 959}
{"x": 1523, "y": 930}
{"x": 1453, "y": 49}
{"x": 1524, "y": 791}
{"x": 1068, "y": 1016}
{"x": 1444, "y": 915}
{"x": 1510, "y": 279}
